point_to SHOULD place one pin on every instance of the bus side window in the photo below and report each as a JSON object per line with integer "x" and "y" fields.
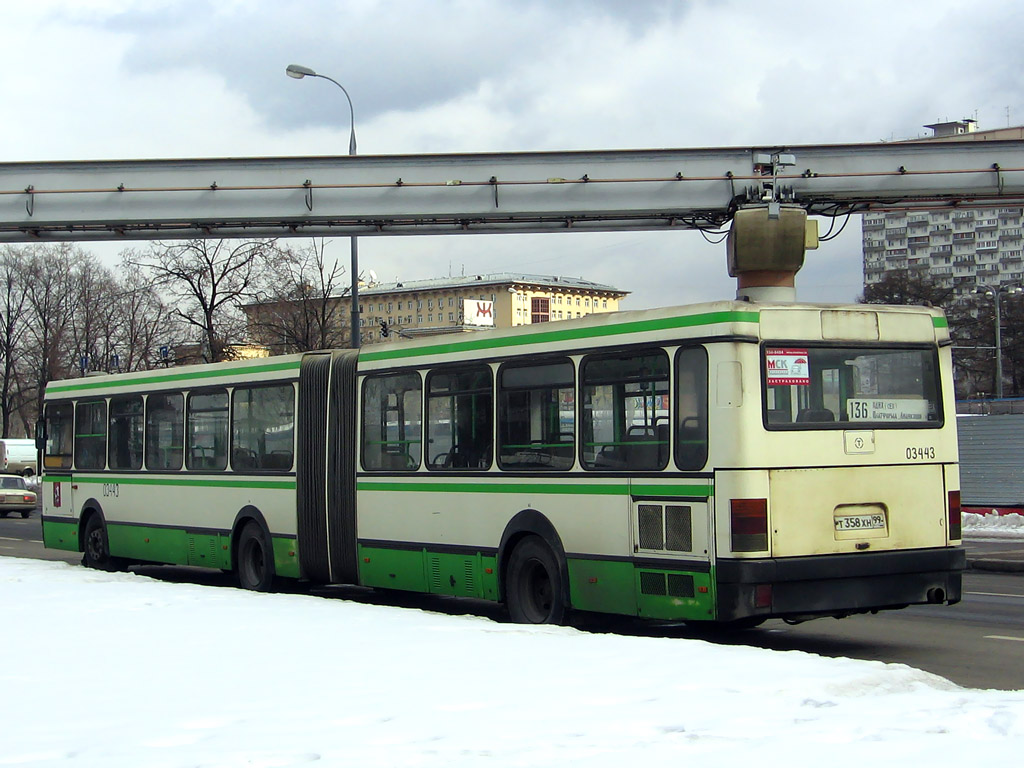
{"x": 125, "y": 448}
{"x": 91, "y": 434}
{"x": 392, "y": 422}
{"x": 536, "y": 423}
{"x": 207, "y": 422}
{"x": 692, "y": 408}
{"x": 165, "y": 431}
{"x": 625, "y": 411}
{"x": 460, "y": 429}
{"x": 262, "y": 428}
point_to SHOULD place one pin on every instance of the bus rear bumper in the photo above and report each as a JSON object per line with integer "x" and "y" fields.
{"x": 800, "y": 588}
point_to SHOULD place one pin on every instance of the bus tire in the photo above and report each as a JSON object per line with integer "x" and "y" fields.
{"x": 96, "y": 546}
{"x": 534, "y": 589}
{"x": 255, "y": 566}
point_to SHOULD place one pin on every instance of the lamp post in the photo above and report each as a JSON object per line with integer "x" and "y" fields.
{"x": 996, "y": 292}
{"x": 298, "y": 72}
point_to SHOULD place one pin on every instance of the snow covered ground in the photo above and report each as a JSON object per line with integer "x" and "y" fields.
{"x": 993, "y": 526}
{"x": 118, "y": 670}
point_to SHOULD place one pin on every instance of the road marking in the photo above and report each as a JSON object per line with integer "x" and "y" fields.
{"x": 1005, "y": 637}
{"x": 992, "y": 594}
{"x": 30, "y": 541}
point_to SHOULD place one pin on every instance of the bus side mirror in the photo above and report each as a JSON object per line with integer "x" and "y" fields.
{"x": 40, "y": 435}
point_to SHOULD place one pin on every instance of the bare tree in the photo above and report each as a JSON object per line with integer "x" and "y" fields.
{"x": 146, "y": 322}
{"x": 908, "y": 286}
{"x": 208, "y": 281}
{"x": 94, "y": 319}
{"x": 13, "y": 327}
{"x": 51, "y": 305}
{"x": 299, "y": 308}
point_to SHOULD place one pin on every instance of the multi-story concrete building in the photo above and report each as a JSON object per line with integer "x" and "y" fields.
{"x": 960, "y": 248}
{"x": 440, "y": 305}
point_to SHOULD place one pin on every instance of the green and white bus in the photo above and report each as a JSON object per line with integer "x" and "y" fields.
{"x": 725, "y": 462}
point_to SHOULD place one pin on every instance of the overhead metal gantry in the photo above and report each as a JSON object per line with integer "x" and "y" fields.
{"x": 756, "y": 187}
{"x": 505, "y": 192}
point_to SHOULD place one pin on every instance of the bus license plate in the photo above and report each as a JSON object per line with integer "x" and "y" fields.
{"x": 860, "y": 522}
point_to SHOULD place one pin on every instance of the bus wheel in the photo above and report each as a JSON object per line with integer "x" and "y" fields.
{"x": 534, "y": 590}
{"x": 255, "y": 567}
{"x": 96, "y": 549}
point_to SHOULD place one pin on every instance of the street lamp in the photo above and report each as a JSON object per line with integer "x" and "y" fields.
{"x": 298, "y": 72}
{"x": 995, "y": 292}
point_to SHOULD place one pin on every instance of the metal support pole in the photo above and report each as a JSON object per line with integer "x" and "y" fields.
{"x": 356, "y": 329}
{"x": 999, "y": 348}
{"x": 298, "y": 72}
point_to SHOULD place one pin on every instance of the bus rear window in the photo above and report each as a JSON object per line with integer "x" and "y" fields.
{"x": 822, "y": 387}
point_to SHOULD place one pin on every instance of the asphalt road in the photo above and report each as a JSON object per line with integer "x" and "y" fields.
{"x": 978, "y": 643}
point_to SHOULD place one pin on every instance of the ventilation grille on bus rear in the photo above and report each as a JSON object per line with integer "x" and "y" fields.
{"x": 667, "y": 528}
{"x": 652, "y": 583}
{"x": 671, "y": 584}
{"x": 678, "y": 529}
{"x": 649, "y": 517}
{"x": 680, "y": 585}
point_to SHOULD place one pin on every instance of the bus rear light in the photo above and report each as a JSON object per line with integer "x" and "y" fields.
{"x": 749, "y": 524}
{"x": 955, "y": 531}
{"x": 763, "y": 596}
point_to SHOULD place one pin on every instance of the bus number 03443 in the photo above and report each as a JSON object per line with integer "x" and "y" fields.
{"x": 920, "y": 454}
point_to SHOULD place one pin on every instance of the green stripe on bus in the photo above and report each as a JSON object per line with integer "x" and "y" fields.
{"x": 696, "y": 491}
{"x": 570, "y": 334}
{"x": 203, "y": 482}
{"x": 560, "y": 488}
{"x": 169, "y": 377}
{"x": 940, "y": 322}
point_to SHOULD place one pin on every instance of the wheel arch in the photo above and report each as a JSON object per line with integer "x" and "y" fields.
{"x": 531, "y": 522}
{"x": 245, "y": 515}
{"x": 91, "y": 507}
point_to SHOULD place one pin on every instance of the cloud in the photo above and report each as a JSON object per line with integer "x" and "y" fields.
{"x": 109, "y": 79}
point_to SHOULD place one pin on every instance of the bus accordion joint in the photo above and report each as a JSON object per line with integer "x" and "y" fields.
{"x": 749, "y": 524}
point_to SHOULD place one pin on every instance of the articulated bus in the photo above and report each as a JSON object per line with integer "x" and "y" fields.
{"x": 725, "y": 462}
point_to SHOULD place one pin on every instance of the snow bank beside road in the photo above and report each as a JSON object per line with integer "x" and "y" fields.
{"x": 125, "y": 671}
{"x": 993, "y": 526}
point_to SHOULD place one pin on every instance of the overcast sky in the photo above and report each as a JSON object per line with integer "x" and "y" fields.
{"x": 98, "y": 79}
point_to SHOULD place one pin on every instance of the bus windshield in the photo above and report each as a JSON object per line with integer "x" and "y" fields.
{"x": 843, "y": 387}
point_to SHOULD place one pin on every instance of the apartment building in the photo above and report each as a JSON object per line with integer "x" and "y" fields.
{"x": 960, "y": 248}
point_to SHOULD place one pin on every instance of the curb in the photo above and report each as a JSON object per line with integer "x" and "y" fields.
{"x": 996, "y": 566}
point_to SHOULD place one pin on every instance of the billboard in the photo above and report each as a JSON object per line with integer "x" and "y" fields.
{"x": 478, "y": 312}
